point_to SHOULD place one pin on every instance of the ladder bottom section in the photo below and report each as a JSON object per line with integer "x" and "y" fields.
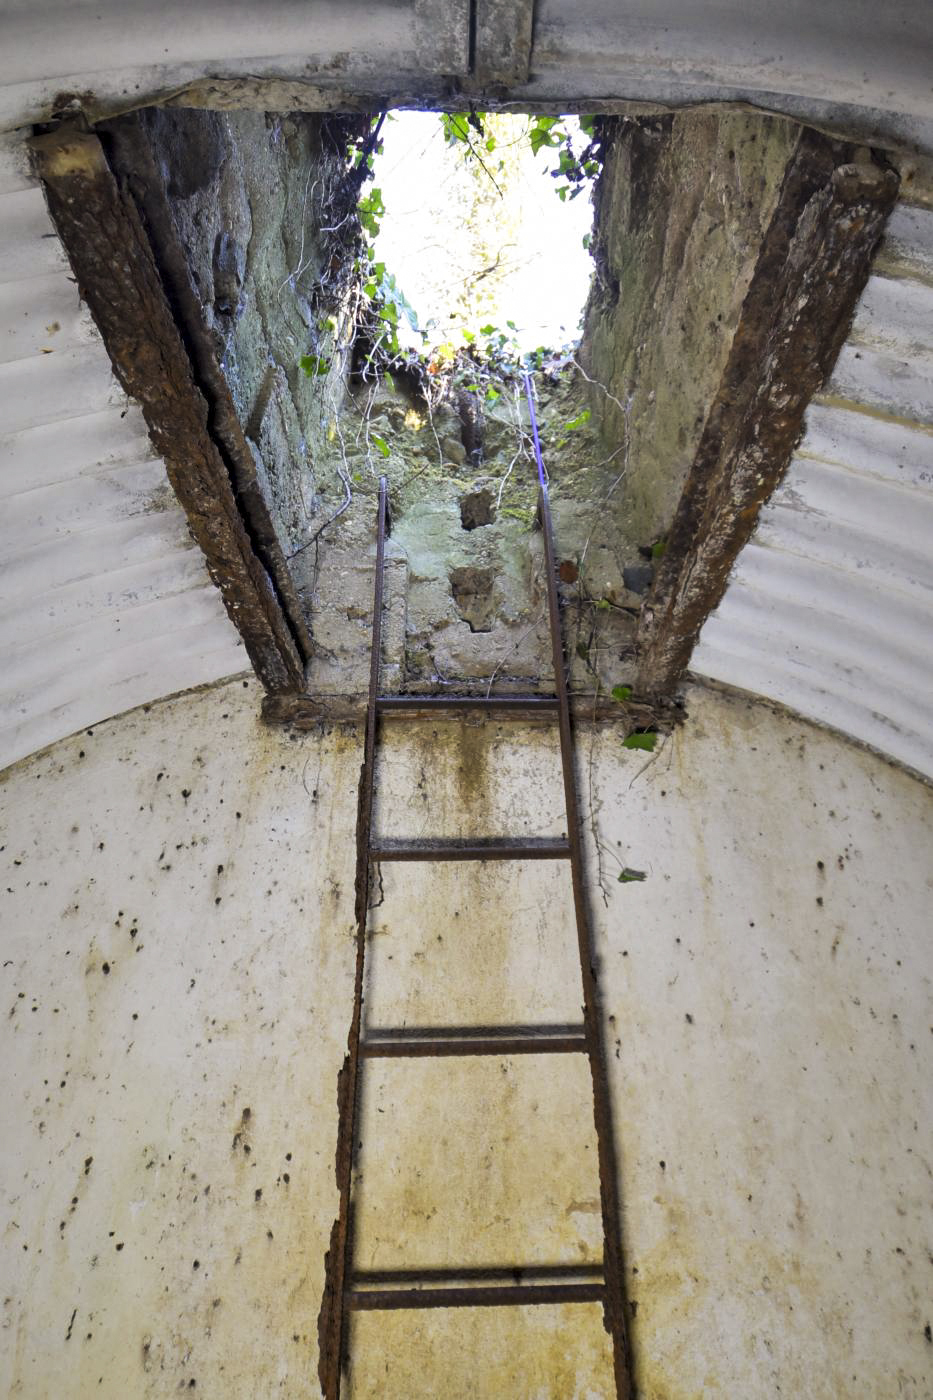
{"x": 496, "y": 1296}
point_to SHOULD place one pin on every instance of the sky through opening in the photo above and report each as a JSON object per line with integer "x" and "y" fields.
{"x": 475, "y": 245}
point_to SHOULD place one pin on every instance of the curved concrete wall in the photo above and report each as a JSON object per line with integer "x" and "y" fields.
{"x": 178, "y": 964}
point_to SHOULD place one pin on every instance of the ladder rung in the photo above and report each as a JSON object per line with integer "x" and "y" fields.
{"x": 486, "y": 1040}
{"x": 494, "y": 1296}
{"x": 473, "y": 848}
{"x": 479, "y": 1273}
{"x": 506, "y": 704}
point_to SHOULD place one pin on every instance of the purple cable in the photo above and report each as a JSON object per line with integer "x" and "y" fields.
{"x": 534, "y": 429}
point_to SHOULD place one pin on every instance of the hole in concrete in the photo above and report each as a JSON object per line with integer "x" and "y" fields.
{"x": 476, "y": 509}
{"x": 472, "y": 591}
{"x": 472, "y": 231}
{"x": 281, "y": 252}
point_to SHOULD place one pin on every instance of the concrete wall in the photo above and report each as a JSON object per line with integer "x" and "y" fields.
{"x": 177, "y": 962}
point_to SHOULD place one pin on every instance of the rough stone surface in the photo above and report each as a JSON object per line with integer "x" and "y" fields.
{"x": 249, "y": 194}
{"x": 683, "y": 204}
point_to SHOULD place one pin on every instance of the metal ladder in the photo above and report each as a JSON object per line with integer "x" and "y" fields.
{"x": 348, "y": 1290}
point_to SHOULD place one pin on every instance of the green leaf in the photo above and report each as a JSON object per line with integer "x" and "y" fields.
{"x": 379, "y": 443}
{"x": 389, "y": 381}
{"x": 658, "y": 548}
{"x": 487, "y": 330}
{"x": 313, "y": 365}
{"x": 583, "y": 651}
{"x": 603, "y": 605}
{"x": 586, "y": 240}
{"x": 621, "y": 693}
{"x": 588, "y": 125}
{"x": 628, "y": 875}
{"x": 645, "y": 741}
{"x": 492, "y": 395}
{"x": 578, "y": 422}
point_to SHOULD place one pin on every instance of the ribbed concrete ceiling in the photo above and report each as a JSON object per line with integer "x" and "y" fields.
{"x": 106, "y": 603}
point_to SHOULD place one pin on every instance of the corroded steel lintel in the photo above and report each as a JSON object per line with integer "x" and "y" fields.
{"x": 112, "y": 259}
{"x": 812, "y": 266}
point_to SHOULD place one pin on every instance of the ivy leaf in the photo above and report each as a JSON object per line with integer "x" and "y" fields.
{"x": 645, "y": 741}
{"x": 621, "y": 693}
{"x": 658, "y": 548}
{"x": 587, "y": 125}
{"x": 628, "y": 875}
{"x": 578, "y": 422}
{"x": 603, "y": 605}
{"x": 313, "y": 365}
{"x": 380, "y": 443}
{"x": 487, "y": 330}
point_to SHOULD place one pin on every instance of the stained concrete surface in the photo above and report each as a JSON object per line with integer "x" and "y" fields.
{"x": 177, "y": 954}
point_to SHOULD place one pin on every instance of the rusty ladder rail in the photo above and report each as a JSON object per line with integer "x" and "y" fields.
{"x": 347, "y": 1290}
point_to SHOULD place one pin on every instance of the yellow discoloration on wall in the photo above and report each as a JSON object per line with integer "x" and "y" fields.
{"x": 541, "y": 1353}
{"x": 477, "y": 1161}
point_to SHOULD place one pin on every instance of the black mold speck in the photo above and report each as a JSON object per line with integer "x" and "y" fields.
{"x": 688, "y": 1018}
{"x": 119, "y": 1246}
{"x": 196, "y": 1264}
{"x": 105, "y": 969}
{"x": 258, "y": 1194}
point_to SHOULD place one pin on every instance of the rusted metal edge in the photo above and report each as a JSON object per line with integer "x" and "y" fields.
{"x": 331, "y": 1338}
{"x": 498, "y": 1296}
{"x": 614, "y": 1298}
{"x": 493, "y": 848}
{"x": 813, "y": 264}
{"x": 117, "y": 277}
{"x": 129, "y": 151}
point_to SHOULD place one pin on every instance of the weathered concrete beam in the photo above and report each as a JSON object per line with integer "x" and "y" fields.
{"x": 502, "y": 51}
{"x": 131, "y": 157}
{"x": 812, "y": 267}
{"x": 117, "y": 277}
